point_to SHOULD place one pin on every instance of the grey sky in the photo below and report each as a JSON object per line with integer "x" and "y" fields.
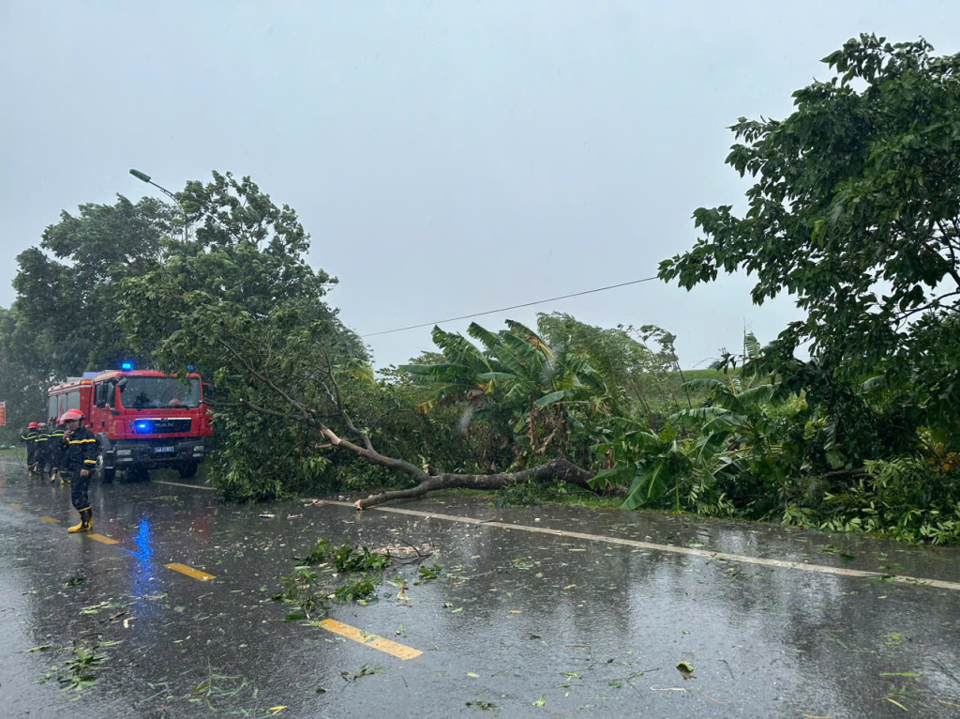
{"x": 447, "y": 157}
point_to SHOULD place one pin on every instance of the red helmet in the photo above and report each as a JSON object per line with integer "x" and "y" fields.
{"x": 71, "y": 414}
{"x": 32, "y": 425}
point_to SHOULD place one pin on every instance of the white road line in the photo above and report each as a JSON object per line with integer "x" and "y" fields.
{"x": 704, "y": 553}
{"x": 181, "y": 484}
{"x": 691, "y": 551}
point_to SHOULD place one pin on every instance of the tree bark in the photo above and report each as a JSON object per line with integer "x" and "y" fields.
{"x": 558, "y": 469}
{"x": 431, "y": 481}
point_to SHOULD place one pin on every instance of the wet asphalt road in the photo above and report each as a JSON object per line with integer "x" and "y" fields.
{"x": 518, "y": 624}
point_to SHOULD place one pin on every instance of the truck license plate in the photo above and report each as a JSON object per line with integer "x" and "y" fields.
{"x": 163, "y": 449}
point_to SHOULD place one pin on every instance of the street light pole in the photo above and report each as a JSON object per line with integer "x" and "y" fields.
{"x": 146, "y": 178}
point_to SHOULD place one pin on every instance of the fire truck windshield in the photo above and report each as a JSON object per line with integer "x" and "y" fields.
{"x": 160, "y": 393}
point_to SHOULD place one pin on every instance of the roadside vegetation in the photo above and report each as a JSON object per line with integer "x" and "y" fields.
{"x": 846, "y": 420}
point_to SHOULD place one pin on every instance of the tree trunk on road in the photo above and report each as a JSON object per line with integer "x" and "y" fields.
{"x": 558, "y": 469}
{"x": 429, "y": 481}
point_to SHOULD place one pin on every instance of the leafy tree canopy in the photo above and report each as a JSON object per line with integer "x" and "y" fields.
{"x": 66, "y": 287}
{"x": 239, "y": 303}
{"x": 855, "y": 211}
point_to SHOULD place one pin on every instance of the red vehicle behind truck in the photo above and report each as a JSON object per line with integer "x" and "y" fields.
{"x": 143, "y": 419}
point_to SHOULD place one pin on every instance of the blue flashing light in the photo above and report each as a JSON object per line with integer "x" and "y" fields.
{"x": 126, "y": 366}
{"x": 143, "y": 427}
{"x": 189, "y": 368}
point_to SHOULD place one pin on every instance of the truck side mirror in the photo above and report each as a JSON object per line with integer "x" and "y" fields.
{"x": 121, "y": 384}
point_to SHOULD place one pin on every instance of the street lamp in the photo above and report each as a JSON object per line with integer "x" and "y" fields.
{"x": 146, "y": 178}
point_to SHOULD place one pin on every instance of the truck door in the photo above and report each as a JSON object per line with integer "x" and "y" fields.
{"x": 104, "y": 399}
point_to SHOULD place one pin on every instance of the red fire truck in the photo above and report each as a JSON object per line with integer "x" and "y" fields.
{"x": 144, "y": 420}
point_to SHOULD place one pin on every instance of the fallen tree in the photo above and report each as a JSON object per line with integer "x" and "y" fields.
{"x": 236, "y": 301}
{"x": 429, "y": 479}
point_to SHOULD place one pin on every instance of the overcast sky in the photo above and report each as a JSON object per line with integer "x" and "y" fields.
{"x": 447, "y": 157}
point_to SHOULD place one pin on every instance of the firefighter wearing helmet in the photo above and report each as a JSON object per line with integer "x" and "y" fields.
{"x": 78, "y": 461}
{"x": 29, "y": 438}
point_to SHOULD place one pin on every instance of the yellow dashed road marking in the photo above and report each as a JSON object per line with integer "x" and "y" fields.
{"x": 50, "y": 519}
{"x": 371, "y": 640}
{"x": 190, "y": 571}
{"x": 689, "y": 551}
{"x": 14, "y": 506}
{"x": 102, "y": 539}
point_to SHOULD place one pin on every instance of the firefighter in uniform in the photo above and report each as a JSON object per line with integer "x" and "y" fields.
{"x": 29, "y": 438}
{"x": 41, "y": 450}
{"x": 55, "y": 447}
{"x": 79, "y": 461}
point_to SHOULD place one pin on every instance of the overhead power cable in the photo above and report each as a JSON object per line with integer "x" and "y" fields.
{"x": 514, "y": 307}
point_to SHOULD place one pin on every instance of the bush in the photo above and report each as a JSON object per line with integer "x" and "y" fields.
{"x": 907, "y": 498}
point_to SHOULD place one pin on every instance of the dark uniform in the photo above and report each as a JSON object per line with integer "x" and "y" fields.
{"x": 80, "y": 452}
{"x": 29, "y": 438}
{"x": 56, "y": 450}
{"x": 41, "y": 451}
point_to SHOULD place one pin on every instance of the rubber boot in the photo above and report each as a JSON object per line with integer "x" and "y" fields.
{"x": 64, "y": 480}
{"x": 86, "y": 521}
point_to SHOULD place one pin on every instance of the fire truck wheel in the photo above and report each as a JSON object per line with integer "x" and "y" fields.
{"x": 188, "y": 470}
{"x": 105, "y": 475}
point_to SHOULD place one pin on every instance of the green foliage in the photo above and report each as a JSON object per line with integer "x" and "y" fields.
{"x": 426, "y": 574}
{"x": 855, "y": 213}
{"x": 532, "y": 395}
{"x": 239, "y": 302}
{"x": 532, "y": 493}
{"x": 360, "y": 590}
{"x": 854, "y": 210}
{"x": 752, "y": 454}
{"x": 907, "y": 498}
{"x": 302, "y": 588}
{"x": 62, "y": 321}
{"x": 22, "y": 381}
{"x": 403, "y": 419}
{"x": 67, "y": 286}
{"x": 79, "y": 671}
{"x": 345, "y": 558}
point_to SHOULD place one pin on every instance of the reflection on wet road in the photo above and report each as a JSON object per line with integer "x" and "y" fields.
{"x": 520, "y": 623}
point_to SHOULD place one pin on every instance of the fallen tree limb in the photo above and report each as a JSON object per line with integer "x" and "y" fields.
{"x": 558, "y": 469}
{"x": 430, "y": 479}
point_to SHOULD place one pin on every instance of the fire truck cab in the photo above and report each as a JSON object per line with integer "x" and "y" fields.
{"x": 143, "y": 420}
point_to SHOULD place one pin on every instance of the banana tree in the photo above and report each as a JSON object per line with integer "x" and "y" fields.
{"x": 544, "y": 383}
{"x": 735, "y": 413}
{"x": 522, "y": 375}
{"x": 645, "y": 462}
{"x": 459, "y": 378}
